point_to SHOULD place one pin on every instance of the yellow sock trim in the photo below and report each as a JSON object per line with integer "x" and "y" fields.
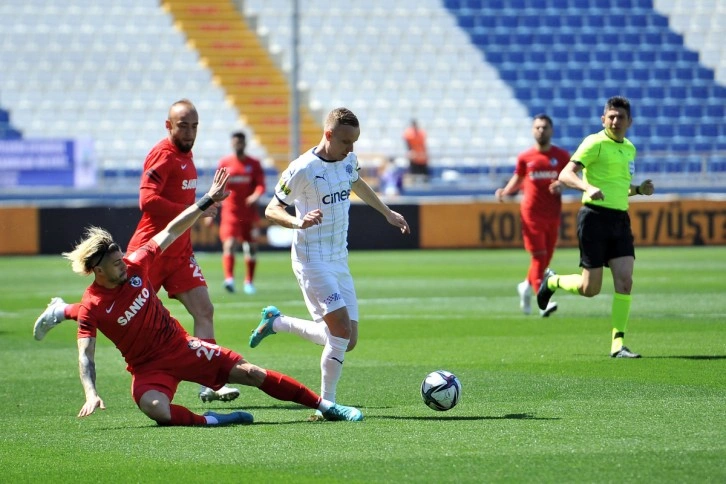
{"x": 619, "y": 318}
{"x": 570, "y": 283}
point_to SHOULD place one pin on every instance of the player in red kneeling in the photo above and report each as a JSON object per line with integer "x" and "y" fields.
{"x": 536, "y": 174}
{"x": 122, "y": 304}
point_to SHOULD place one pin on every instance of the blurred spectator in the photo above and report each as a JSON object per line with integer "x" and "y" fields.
{"x": 417, "y": 154}
{"x": 390, "y": 177}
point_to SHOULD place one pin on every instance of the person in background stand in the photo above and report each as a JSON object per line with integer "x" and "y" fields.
{"x": 418, "y": 157}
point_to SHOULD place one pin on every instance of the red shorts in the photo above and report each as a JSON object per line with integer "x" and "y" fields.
{"x": 241, "y": 230}
{"x": 540, "y": 235}
{"x": 192, "y": 360}
{"x": 176, "y": 274}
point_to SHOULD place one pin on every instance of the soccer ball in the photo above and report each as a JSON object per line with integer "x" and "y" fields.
{"x": 441, "y": 390}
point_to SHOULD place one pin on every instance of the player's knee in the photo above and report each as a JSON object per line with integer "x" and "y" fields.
{"x": 590, "y": 290}
{"x": 624, "y": 285}
{"x": 155, "y": 409}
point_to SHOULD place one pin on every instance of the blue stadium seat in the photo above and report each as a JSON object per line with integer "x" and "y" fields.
{"x": 671, "y": 112}
{"x": 678, "y": 92}
{"x": 665, "y": 130}
{"x": 559, "y": 112}
{"x": 559, "y": 55}
{"x": 709, "y": 130}
{"x": 551, "y": 22}
{"x": 694, "y": 111}
{"x": 685, "y": 130}
{"x": 646, "y": 111}
{"x": 660, "y": 74}
{"x": 715, "y": 111}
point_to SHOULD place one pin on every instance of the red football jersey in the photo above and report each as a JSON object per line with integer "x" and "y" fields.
{"x": 131, "y": 315}
{"x": 539, "y": 170}
{"x": 245, "y": 177}
{"x": 168, "y": 186}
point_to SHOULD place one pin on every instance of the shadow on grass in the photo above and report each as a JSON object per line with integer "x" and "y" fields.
{"x": 690, "y": 357}
{"x": 509, "y": 416}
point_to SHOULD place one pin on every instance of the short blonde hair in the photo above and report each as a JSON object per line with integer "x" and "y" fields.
{"x": 341, "y": 116}
{"x": 90, "y": 251}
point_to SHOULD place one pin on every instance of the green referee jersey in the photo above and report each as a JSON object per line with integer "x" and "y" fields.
{"x": 608, "y": 165}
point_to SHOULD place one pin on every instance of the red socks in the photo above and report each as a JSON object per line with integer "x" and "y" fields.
{"x": 71, "y": 311}
{"x": 250, "y": 266}
{"x": 283, "y": 387}
{"x": 537, "y": 266}
{"x": 183, "y": 416}
{"x": 228, "y": 265}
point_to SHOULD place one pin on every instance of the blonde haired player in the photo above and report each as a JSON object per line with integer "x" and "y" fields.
{"x": 319, "y": 184}
{"x": 121, "y": 303}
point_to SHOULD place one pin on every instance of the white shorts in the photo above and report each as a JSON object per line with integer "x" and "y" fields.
{"x": 326, "y": 286}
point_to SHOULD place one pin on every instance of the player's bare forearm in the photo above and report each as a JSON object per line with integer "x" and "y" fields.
{"x": 366, "y": 193}
{"x": 87, "y": 366}
{"x": 570, "y": 178}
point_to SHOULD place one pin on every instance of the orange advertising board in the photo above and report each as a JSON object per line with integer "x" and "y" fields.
{"x": 497, "y": 225}
{"x": 19, "y": 230}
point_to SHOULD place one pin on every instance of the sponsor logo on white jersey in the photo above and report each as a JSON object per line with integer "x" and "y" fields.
{"x": 337, "y": 197}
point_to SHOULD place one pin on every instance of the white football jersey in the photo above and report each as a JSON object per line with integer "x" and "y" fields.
{"x": 309, "y": 183}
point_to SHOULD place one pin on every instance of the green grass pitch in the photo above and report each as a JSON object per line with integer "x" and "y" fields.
{"x": 541, "y": 400}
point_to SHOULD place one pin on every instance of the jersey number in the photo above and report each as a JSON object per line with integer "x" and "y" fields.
{"x": 209, "y": 350}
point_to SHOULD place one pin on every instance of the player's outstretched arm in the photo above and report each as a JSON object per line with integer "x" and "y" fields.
{"x": 87, "y": 370}
{"x": 186, "y": 219}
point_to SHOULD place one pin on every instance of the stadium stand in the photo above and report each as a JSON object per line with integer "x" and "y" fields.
{"x": 390, "y": 62}
{"x": 108, "y": 71}
{"x": 7, "y": 131}
{"x": 243, "y": 67}
{"x": 472, "y": 72}
{"x": 569, "y": 56}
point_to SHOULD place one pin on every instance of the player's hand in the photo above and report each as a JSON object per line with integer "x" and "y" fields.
{"x": 647, "y": 187}
{"x": 499, "y": 193}
{"x": 91, "y": 405}
{"x": 218, "y": 190}
{"x": 209, "y": 221}
{"x": 313, "y": 217}
{"x": 555, "y": 187}
{"x": 395, "y": 218}
{"x": 594, "y": 193}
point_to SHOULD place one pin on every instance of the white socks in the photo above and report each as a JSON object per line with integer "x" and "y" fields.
{"x": 306, "y": 329}
{"x": 331, "y": 365}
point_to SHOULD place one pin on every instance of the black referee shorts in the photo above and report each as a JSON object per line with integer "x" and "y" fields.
{"x": 603, "y": 234}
